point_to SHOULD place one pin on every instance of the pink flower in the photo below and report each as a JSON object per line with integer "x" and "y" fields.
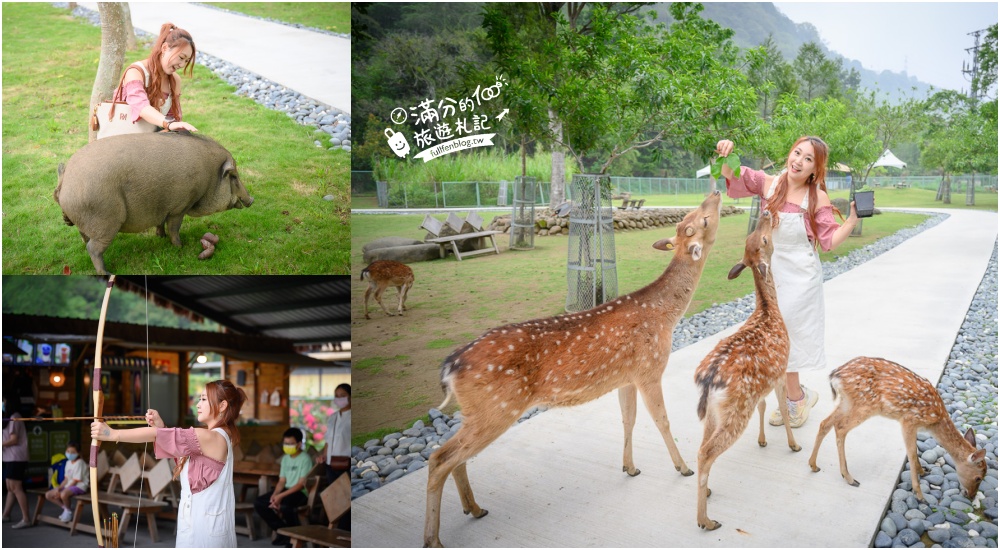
{"x": 306, "y": 407}
{"x": 293, "y": 413}
{"x": 310, "y": 419}
{"x": 318, "y": 436}
{"x": 328, "y": 410}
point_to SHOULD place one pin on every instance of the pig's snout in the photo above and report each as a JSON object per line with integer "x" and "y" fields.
{"x": 246, "y": 203}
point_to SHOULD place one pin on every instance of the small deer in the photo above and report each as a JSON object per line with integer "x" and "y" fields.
{"x": 743, "y": 368}
{"x": 569, "y": 360}
{"x": 868, "y": 386}
{"x": 382, "y": 274}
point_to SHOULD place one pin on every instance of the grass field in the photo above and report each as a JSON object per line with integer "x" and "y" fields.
{"x": 330, "y": 16}
{"x": 397, "y": 359}
{"x": 290, "y": 229}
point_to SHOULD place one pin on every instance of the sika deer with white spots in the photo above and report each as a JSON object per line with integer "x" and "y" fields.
{"x": 571, "y": 359}
{"x": 743, "y": 368}
{"x": 867, "y": 386}
{"x": 382, "y": 274}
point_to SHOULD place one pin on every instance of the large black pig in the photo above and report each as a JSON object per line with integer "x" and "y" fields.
{"x": 132, "y": 182}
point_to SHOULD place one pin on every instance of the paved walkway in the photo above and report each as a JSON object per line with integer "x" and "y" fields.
{"x": 314, "y": 64}
{"x": 556, "y": 480}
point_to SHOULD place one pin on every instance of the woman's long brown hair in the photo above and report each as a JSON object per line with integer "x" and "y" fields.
{"x": 216, "y": 392}
{"x": 173, "y": 37}
{"x": 816, "y": 180}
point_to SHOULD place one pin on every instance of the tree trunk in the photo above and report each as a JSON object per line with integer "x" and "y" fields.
{"x": 946, "y": 190}
{"x": 970, "y": 192}
{"x": 940, "y": 191}
{"x": 557, "y": 194}
{"x": 72, "y": 6}
{"x": 129, "y": 29}
{"x": 109, "y": 68}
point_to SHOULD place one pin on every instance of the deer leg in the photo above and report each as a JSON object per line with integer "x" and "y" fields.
{"x": 783, "y": 407}
{"x": 916, "y": 470}
{"x": 715, "y": 443}
{"x": 824, "y": 428}
{"x": 378, "y": 298}
{"x": 842, "y": 426}
{"x": 368, "y": 292}
{"x": 474, "y": 436}
{"x": 652, "y": 396}
{"x": 761, "y": 407}
{"x": 469, "y": 505}
{"x": 401, "y": 291}
{"x": 406, "y": 293}
{"x": 627, "y": 400}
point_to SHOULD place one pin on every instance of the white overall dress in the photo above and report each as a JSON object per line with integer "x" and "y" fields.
{"x": 208, "y": 519}
{"x": 798, "y": 280}
{"x": 165, "y": 108}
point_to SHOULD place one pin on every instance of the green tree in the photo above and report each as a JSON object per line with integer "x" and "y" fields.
{"x": 891, "y": 122}
{"x": 986, "y": 73}
{"x": 607, "y": 82}
{"x": 818, "y": 76}
{"x": 770, "y": 75}
{"x": 851, "y": 142}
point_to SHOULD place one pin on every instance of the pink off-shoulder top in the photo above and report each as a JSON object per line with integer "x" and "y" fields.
{"x": 751, "y": 182}
{"x": 178, "y": 442}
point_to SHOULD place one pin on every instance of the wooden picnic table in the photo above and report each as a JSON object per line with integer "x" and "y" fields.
{"x": 264, "y": 475}
{"x": 453, "y": 240}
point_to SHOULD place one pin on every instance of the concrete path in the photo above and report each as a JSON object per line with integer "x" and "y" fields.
{"x": 556, "y": 479}
{"x": 314, "y": 64}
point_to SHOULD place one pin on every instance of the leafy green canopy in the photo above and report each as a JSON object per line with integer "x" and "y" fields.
{"x": 613, "y": 82}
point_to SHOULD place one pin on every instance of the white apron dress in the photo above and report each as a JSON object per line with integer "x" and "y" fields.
{"x": 798, "y": 280}
{"x": 208, "y": 519}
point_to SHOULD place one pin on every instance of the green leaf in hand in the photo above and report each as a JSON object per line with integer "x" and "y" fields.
{"x": 733, "y": 161}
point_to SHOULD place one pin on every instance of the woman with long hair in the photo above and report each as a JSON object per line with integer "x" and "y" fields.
{"x": 15, "y": 460}
{"x": 152, "y": 87}
{"x": 206, "y": 515}
{"x": 804, "y": 221}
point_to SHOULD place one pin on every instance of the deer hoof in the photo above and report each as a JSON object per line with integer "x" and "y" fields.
{"x": 854, "y": 483}
{"x": 795, "y": 447}
{"x": 482, "y": 513}
{"x": 708, "y": 492}
{"x": 634, "y": 472}
{"x": 711, "y": 525}
{"x": 762, "y": 443}
{"x": 436, "y": 543}
{"x": 686, "y": 471}
{"x": 814, "y": 468}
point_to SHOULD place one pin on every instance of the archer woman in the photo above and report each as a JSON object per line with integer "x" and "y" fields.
{"x": 799, "y": 205}
{"x": 206, "y": 516}
{"x": 152, "y": 88}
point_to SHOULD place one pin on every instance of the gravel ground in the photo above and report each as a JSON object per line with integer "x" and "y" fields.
{"x": 968, "y": 387}
{"x": 304, "y": 110}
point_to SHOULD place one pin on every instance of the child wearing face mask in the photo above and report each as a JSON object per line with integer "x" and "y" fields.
{"x": 76, "y": 481}
{"x": 278, "y": 508}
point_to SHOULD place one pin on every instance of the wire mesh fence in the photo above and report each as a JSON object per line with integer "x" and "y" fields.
{"x": 485, "y": 194}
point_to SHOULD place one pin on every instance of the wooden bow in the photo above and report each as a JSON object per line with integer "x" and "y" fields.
{"x": 98, "y": 411}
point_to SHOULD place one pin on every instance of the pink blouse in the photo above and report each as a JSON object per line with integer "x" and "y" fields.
{"x": 751, "y": 182}
{"x": 135, "y": 96}
{"x": 178, "y": 442}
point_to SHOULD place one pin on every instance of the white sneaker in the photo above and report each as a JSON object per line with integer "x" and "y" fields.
{"x": 797, "y": 410}
{"x": 21, "y": 525}
{"x": 66, "y": 516}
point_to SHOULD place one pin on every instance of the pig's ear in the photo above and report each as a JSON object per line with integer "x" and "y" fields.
{"x": 60, "y": 170}
{"x": 228, "y": 167}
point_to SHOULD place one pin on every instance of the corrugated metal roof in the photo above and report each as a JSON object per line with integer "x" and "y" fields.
{"x": 304, "y": 309}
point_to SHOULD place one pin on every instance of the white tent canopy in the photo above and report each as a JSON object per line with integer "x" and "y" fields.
{"x": 703, "y": 172}
{"x": 890, "y": 160}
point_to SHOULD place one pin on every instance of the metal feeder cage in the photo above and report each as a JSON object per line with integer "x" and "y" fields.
{"x": 591, "y": 273}
{"x": 522, "y": 219}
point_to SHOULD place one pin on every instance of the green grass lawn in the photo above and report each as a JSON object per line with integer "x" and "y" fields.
{"x": 289, "y": 229}
{"x": 330, "y": 16}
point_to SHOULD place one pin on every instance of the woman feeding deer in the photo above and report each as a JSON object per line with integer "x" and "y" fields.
{"x": 804, "y": 218}
{"x": 152, "y": 87}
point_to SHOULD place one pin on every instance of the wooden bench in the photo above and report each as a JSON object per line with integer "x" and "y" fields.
{"x": 130, "y": 505}
{"x": 453, "y": 240}
{"x": 38, "y": 515}
{"x": 336, "y": 502}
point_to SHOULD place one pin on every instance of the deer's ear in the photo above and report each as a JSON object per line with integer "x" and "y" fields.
{"x": 736, "y": 270}
{"x": 664, "y": 244}
{"x": 978, "y": 455}
{"x": 970, "y": 436}
{"x": 695, "y": 250}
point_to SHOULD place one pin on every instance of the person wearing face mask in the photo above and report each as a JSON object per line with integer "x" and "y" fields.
{"x": 206, "y": 513}
{"x": 278, "y": 508}
{"x": 337, "y": 454}
{"x": 152, "y": 87}
{"x": 803, "y": 219}
{"x": 76, "y": 481}
{"x": 15, "y": 460}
